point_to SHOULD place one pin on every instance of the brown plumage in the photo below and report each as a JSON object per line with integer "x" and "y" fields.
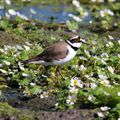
{"x": 54, "y": 52}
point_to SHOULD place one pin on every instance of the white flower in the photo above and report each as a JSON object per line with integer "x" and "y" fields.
{"x": 91, "y": 98}
{"x": 109, "y": 44}
{"x": 32, "y": 84}
{"x": 83, "y": 58}
{"x": 7, "y": 15}
{"x": 106, "y": 93}
{"x": 93, "y": 85}
{"x": 8, "y": 2}
{"x": 6, "y": 62}
{"x": 111, "y": 37}
{"x": 105, "y": 82}
{"x": 22, "y": 16}
{"x": 76, "y": 82}
{"x": 105, "y": 12}
{"x": 71, "y": 99}
{"x": 76, "y": 18}
{"x": 26, "y": 0}
{"x": 12, "y": 12}
{"x": 44, "y": 95}
{"x": 1, "y": 50}
{"x": 73, "y": 90}
{"x": 0, "y": 92}
{"x": 25, "y": 75}
{"x": 82, "y": 68}
{"x": 105, "y": 108}
{"x": 118, "y": 119}
{"x": 118, "y": 55}
{"x": 19, "y": 47}
{"x": 1, "y": 65}
{"x": 118, "y": 93}
{"x": 104, "y": 56}
{"x": 76, "y": 3}
{"x": 100, "y": 114}
{"x": 56, "y": 104}
{"x": 3, "y": 71}
{"x": 33, "y": 11}
{"x": 27, "y": 47}
{"x": 103, "y": 77}
{"x": 99, "y": 1}
{"x": 111, "y": 0}
{"x": 110, "y": 69}
{"x": 118, "y": 41}
{"x": 94, "y": 42}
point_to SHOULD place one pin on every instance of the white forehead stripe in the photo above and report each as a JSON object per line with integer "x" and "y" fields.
{"x": 75, "y": 37}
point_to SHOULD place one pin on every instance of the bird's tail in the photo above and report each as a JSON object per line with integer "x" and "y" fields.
{"x": 31, "y": 60}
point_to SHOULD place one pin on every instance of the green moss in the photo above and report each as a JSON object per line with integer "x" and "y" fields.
{"x": 8, "y": 111}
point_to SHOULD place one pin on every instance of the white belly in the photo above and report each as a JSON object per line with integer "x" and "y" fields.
{"x": 70, "y": 56}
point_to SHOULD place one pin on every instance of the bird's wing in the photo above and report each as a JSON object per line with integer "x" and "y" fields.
{"x": 54, "y": 52}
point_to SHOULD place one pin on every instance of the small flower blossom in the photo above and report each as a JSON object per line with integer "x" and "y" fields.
{"x": 110, "y": 69}
{"x": 105, "y": 83}
{"x": 3, "y": 71}
{"x": 94, "y": 42}
{"x": 93, "y": 85}
{"x": 76, "y": 3}
{"x": 71, "y": 100}
{"x": 76, "y": 82}
{"x": 19, "y": 47}
{"x": 109, "y": 44}
{"x": 83, "y": 58}
{"x": 118, "y": 41}
{"x": 7, "y": 15}
{"x": 1, "y": 50}
{"x": 103, "y": 77}
{"x": 73, "y": 90}
{"x": 91, "y": 98}
{"x": 22, "y": 16}
{"x": 12, "y": 12}
{"x": 100, "y": 114}
{"x": 118, "y": 93}
{"x": 99, "y": 1}
{"x": 26, "y": 47}
{"x": 8, "y": 2}
{"x": 1, "y": 65}
{"x": 111, "y": 37}
{"x": 111, "y": 0}
{"x": 32, "y": 84}
{"x": 82, "y": 68}
{"x": 33, "y": 11}
{"x": 25, "y": 75}
{"x": 56, "y": 104}
{"x": 106, "y": 93}
{"x": 76, "y": 18}
{"x": 44, "y": 94}
{"x": 106, "y": 12}
{"x": 105, "y": 108}
{"x": 6, "y": 62}
{"x": 104, "y": 56}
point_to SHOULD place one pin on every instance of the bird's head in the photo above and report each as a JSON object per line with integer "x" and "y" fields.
{"x": 76, "y": 41}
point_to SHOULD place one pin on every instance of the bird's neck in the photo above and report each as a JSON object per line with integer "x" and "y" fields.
{"x": 71, "y": 45}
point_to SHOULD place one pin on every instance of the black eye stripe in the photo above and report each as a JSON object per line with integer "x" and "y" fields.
{"x": 75, "y": 40}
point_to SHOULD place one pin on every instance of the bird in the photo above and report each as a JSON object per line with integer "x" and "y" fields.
{"x": 58, "y": 53}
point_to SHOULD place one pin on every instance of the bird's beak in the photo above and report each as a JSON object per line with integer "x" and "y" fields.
{"x": 83, "y": 41}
